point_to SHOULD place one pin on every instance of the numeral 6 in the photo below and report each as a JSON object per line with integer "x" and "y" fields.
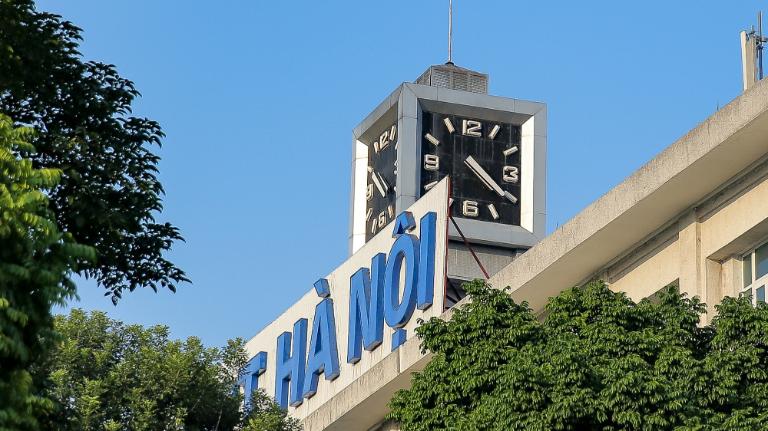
{"x": 469, "y": 209}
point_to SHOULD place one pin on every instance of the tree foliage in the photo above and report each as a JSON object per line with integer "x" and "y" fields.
{"x": 35, "y": 261}
{"x": 105, "y": 375}
{"x": 596, "y": 361}
{"x": 265, "y": 414}
{"x": 109, "y": 193}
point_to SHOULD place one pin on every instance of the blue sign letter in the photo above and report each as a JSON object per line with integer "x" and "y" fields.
{"x": 366, "y": 309}
{"x": 426, "y": 290}
{"x": 323, "y": 353}
{"x": 290, "y": 365}
{"x": 249, "y": 376}
{"x": 396, "y": 312}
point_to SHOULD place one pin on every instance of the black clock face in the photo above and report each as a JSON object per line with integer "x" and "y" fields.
{"x": 380, "y": 186}
{"x": 483, "y": 159}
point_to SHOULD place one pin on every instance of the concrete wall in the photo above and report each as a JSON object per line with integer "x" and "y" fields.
{"x": 702, "y": 249}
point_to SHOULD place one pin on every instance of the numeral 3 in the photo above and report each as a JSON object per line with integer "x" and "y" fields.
{"x": 510, "y": 174}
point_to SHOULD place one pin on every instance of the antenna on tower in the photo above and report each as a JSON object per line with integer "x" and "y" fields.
{"x": 760, "y": 42}
{"x": 450, "y": 32}
{"x": 752, "y": 44}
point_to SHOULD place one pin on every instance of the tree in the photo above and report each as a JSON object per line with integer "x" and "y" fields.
{"x": 596, "y": 361}
{"x": 105, "y": 375}
{"x": 108, "y": 195}
{"x": 265, "y": 414}
{"x": 35, "y": 262}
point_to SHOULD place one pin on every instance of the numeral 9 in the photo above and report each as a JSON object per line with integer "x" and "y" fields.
{"x": 431, "y": 162}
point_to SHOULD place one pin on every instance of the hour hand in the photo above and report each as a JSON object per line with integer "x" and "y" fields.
{"x": 509, "y": 197}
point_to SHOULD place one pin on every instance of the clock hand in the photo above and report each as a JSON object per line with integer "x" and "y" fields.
{"x": 487, "y": 180}
{"x": 380, "y": 183}
{"x": 384, "y": 184}
{"x": 483, "y": 176}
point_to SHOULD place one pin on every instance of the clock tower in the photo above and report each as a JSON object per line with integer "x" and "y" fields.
{"x": 492, "y": 148}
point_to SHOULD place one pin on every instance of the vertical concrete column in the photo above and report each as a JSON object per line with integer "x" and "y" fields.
{"x": 357, "y": 195}
{"x": 408, "y": 150}
{"x": 699, "y": 275}
{"x": 732, "y": 277}
{"x": 691, "y": 271}
{"x": 713, "y": 288}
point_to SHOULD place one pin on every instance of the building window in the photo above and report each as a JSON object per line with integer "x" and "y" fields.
{"x": 755, "y": 264}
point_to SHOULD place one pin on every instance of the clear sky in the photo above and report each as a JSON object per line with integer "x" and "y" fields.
{"x": 259, "y": 98}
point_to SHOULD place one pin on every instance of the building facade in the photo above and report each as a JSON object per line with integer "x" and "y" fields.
{"x": 695, "y": 215}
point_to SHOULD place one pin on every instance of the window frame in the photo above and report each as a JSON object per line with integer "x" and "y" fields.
{"x": 751, "y": 287}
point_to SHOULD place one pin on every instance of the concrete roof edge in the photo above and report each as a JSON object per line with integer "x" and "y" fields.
{"x": 640, "y": 185}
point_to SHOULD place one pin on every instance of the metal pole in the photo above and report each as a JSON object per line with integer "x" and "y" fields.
{"x": 450, "y": 31}
{"x": 760, "y": 42}
{"x": 466, "y": 244}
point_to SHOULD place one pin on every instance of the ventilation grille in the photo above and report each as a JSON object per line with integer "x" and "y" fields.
{"x": 455, "y": 78}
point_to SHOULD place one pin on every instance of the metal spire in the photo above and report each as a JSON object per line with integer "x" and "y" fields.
{"x": 450, "y": 31}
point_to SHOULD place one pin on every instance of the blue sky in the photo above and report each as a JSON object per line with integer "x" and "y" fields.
{"x": 258, "y": 100}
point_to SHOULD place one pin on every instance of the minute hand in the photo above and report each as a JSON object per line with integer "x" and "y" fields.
{"x": 487, "y": 180}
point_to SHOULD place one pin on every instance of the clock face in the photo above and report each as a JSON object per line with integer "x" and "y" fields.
{"x": 483, "y": 159}
{"x": 380, "y": 185}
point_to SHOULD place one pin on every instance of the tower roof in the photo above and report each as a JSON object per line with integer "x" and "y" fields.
{"x": 449, "y": 75}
